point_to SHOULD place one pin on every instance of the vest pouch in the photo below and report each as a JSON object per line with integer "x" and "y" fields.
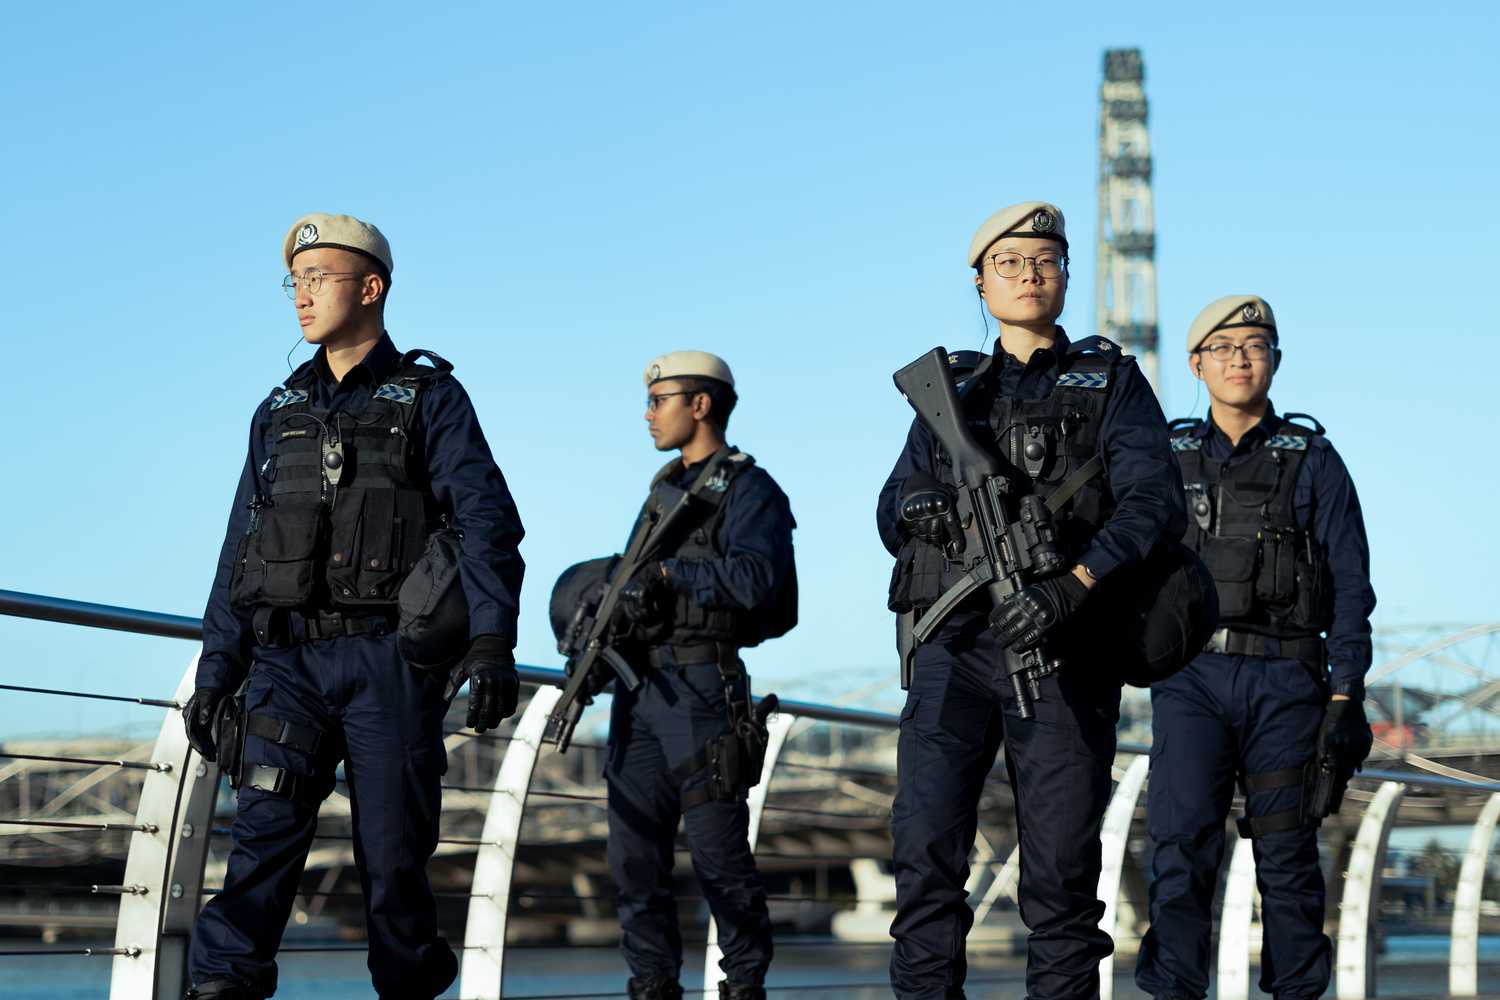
{"x": 1232, "y": 563}
{"x": 247, "y": 578}
{"x": 1276, "y": 583}
{"x": 367, "y": 550}
{"x": 1313, "y": 609}
{"x": 279, "y": 565}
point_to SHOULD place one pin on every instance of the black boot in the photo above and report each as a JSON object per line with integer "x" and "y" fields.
{"x": 653, "y": 988}
{"x": 731, "y": 990}
{"x": 222, "y": 988}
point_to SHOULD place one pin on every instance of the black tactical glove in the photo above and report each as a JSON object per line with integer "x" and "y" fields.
{"x": 643, "y": 601}
{"x": 494, "y": 688}
{"x": 200, "y": 717}
{"x": 1345, "y": 733}
{"x": 1027, "y": 617}
{"x": 927, "y": 510}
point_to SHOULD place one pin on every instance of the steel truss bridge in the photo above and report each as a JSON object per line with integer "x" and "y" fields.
{"x": 520, "y": 862}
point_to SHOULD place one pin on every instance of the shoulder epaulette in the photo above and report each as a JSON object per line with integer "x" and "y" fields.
{"x": 1183, "y": 434}
{"x": 286, "y": 397}
{"x": 1102, "y": 346}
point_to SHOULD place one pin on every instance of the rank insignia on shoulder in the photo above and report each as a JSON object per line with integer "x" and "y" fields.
{"x": 1288, "y": 442}
{"x": 1187, "y": 442}
{"x": 287, "y": 397}
{"x": 1084, "y": 380}
{"x": 397, "y": 393}
{"x": 718, "y": 482}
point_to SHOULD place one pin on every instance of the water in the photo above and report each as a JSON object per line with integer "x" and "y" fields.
{"x": 1413, "y": 966}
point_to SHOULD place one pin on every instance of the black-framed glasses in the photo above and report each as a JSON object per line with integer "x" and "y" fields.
{"x": 1008, "y": 264}
{"x": 653, "y": 400}
{"x": 1254, "y": 350}
{"x": 312, "y": 280}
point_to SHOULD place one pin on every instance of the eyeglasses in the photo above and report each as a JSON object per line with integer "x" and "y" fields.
{"x": 654, "y": 400}
{"x": 312, "y": 280}
{"x": 1255, "y": 350}
{"x": 1011, "y": 265}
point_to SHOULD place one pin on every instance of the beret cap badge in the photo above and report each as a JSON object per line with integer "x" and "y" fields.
{"x": 1043, "y": 222}
{"x": 655, "y": 372}
{"x": 307, "y": 235}
{"x": 1251, "y": 312}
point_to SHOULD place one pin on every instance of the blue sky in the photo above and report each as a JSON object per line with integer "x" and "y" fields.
{"x": 572, "y": 189}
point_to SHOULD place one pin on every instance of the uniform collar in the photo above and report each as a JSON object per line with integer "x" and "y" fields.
{"x": 380, "y": 362}
{"x": 1041, "y": 359}
{"x": 1269, "y": 424}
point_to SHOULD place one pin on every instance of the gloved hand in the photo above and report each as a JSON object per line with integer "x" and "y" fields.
{"x": 199, "y": 717}
{"x": 643, "y": 600}
{"x": 1345, "y": 733}
{"x": 494, "y": 687}
{"x": 1027, "y": 617}
{"x": 927, "y": 509}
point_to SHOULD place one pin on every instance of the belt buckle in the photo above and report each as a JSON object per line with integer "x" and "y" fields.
{"x": 1218, "y": 642}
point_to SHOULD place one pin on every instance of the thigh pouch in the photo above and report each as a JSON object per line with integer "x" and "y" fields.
{"x": 236, "y": 723}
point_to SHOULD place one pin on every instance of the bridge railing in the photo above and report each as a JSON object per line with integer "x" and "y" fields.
{"x": 163, "y": 886}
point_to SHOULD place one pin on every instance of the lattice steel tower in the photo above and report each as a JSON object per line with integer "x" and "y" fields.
{"x": 1125, "y": 264}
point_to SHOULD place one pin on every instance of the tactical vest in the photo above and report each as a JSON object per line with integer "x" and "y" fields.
{"x": 697, "y": 538}
{"x": 338, "y": 519}
{"x": 1271, "y": 575}
{"x": 1041, "y": 443}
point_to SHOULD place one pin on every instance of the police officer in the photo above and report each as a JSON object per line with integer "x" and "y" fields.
{"x": 1273, "y": 513}
{"x": 352, "y": 463}
{"x": 724, "y": 579}
{"x": 1051, "y": 409}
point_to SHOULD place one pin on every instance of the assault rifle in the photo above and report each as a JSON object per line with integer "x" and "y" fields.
{"x": 1001, "y": 551}
{"x": 589, "y": 642}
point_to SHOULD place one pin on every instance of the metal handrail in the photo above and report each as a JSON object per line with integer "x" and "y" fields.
{"x": 107, "y": 616}
{"x": 166, "y": 785}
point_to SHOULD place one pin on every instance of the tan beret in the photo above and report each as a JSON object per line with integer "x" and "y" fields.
{"x": 1039, "y": 219}
{"x": 688, "y": 364}
{"x": 1228, "y": 313}
{"x": 341, "y": 232}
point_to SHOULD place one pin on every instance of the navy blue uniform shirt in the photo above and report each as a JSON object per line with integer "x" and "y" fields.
{"x": 755, "y": 535}
{"x": 1327, "y": 507}
{"x": 1142, "y": 475}
{"x": 463, "y": 479}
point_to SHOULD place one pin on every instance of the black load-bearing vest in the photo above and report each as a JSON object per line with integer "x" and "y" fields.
{"x": 1271, "y": 575}
{"x": 697, "y": 538}
{"x": 339, "y": 518}
{"x": 1041, "y": 443}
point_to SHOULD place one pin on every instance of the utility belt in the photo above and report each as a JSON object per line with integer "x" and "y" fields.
{"x": 721, "y": 654}
{"x": 1234, "y": 642}
{"x": 735, "y": 759}
{"x": 236, "y": 722}
{"x": 281, "y": 627}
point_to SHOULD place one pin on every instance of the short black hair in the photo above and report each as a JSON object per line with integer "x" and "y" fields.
{"x": 721, "y": 394}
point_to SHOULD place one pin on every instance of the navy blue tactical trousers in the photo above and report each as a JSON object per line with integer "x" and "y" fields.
{"x": 958, "y": 712}
{"x": 1219, "y": 717}
{"x": 384, "y": 721}
{"x": 664, "y": 722}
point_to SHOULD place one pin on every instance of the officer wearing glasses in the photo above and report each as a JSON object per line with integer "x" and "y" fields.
{"x": 723, "y": 579}
{"x": 1274, "y": 515}
{"x": 1051, "y": 409}
{"x": 353, "y": 463}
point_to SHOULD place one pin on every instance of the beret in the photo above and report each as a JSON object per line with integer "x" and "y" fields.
{"x": 1228, "y": 313}
{"x": 1038, "y": 219}
{"x": 688, "y": 364}
{"x": 341, "y": 232}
